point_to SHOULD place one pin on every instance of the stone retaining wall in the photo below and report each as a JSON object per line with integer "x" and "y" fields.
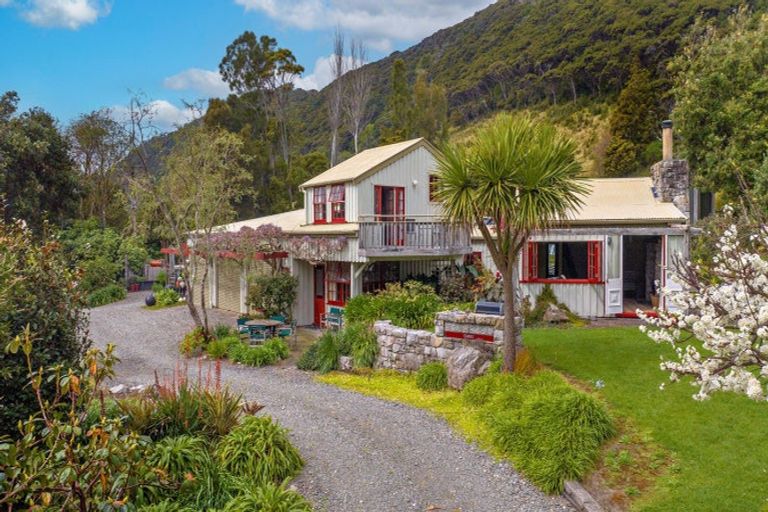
{"x": 407, "y": 349}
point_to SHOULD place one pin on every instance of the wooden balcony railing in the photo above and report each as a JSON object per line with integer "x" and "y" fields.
{"x": 390, "y": 235}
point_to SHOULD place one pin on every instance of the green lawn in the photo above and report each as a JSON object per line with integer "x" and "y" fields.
{"x": 720, "y": 446}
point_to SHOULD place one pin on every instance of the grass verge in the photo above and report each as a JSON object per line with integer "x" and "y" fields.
{"x": 719, "y": 448}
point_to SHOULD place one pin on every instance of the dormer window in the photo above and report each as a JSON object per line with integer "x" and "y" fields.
{"x": 318, "y": 202}
{"x": 338, "y": 205}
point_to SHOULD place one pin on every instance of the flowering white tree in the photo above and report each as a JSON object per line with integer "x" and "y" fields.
{"x": 718, "y": 322}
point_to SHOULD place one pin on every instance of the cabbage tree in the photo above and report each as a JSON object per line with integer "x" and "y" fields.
{"x": 516, "y": 176}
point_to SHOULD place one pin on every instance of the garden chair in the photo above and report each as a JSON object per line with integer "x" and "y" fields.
{"x": 333, "y": 319}
{"x": 284, "y": 332}
{"x": 278, "y": 318}
{"x": 256, "y": 334}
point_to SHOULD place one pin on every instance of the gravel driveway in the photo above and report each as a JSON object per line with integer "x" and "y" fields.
{"x": 362, "y": 453}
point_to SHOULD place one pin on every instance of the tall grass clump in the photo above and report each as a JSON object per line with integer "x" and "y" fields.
{"x": 432, "y": 377}
{"x": 258, "y": 449}
{"x": 551, "y": 431}
{"x": 268, "y": 497}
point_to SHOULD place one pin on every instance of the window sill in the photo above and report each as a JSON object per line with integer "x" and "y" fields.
{"x": 320, "y": 222}
{"x": 561, "y": 281}
{"x": 339, "y": 221}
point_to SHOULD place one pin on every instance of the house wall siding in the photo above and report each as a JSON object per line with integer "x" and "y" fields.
{"x": 303, "y": 309}
{"x": 228, "y": 285}
{"x": 416, "y": 165}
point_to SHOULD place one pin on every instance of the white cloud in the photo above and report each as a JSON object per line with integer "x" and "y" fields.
{"x": 166, "y": 116}
{"x": 377, "y": 22}
{"x": 204, "y": 81}
{"x": 70, "y": 14}
{"x": 320, "y": 75}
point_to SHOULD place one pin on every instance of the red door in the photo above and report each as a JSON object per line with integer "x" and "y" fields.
{"x": 319, "y": 293}
{"x": 389, "y": 204}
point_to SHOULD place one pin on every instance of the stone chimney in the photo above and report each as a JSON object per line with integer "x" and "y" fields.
{"x": 671, "y": 176}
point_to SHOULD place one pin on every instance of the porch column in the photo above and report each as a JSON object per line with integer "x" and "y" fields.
{"x": 355, "y": 279}
{"x": 243, "y": 289}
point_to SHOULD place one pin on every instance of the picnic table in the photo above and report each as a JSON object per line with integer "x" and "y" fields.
{"x": 266, "y": 323}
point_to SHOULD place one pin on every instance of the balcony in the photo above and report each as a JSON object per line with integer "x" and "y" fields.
{"x": 392, "y": 236}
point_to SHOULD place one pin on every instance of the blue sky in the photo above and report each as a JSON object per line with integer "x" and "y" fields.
{"x": 74, "y": 56}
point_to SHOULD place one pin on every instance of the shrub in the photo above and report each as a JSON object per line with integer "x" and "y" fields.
{"x": 218, "y": 348}
{"x": 412, "y": 305}
{"x": 106, "y": 295}
{"x": 37, "y": 288}
{"x": 432, "y": 377}
{"x": 193, "y": 343}
{"x": 167, "y": 297}
{"x": 362, "y": 340}
{"x": 308, "y": 360}
{"x": 223, "y": 330}
{"x": 161, "y": 279}
{"x": 278, "y": 346}
{"x": 328, "y": 352}
{"x": 157, "y": 288}
{"x": 98, "y": 273}
{"x": 261, "y": 355}
{"x": 555, "y": 436}
{"x": 179, "y": 455}
{"x": 552, "y": 431}
{"x": 259, "y": 450}
{"x": 268, "y": 497}
{"x": 274, "y": 295}
{"x": 535, "y": 315}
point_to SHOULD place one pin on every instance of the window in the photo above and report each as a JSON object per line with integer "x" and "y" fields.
{"x": 433, "y": 187}
{"x": 338, "y": 213}
{"x": 377, "y": 276}
{"x": 565, "y": 262}
{"x": 338, "y": 283}
{"x": 318, "y": 200}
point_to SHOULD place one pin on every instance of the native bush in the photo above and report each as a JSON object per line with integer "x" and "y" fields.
{"x": 328, "y": 352}
{"x": 167, "y": 297}
{"x": 193, "y": 343}
{"x": 106, "y": 295}
{"x": 432, "y": 377}
{"x": 278, "y": 346}
{"x": 308, "y": 360}
{"x": 259, "y": 449}
{"x": 362, "y": 340}
{"x": 271, "y": 497}
{"x": 222, "y": 330}
{"x": 37, "y": 289}
{"x": 274, "y": 295}
{"x": 179, "y": 455}
{"x": 412, "y": 305}
{"x": 551, "y": 431}
{"x": 218, "y": 348}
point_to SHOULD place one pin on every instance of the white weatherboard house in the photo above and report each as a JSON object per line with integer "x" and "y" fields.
{"x": 605, "y": 261}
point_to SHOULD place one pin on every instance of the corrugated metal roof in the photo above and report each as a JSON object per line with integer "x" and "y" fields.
{"x": 287, "y": 221}
{"x": 630, "y": 200}
{"x": 363, "y": 163}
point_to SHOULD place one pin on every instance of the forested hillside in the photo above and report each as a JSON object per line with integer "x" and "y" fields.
{"x": 532, "y": 53}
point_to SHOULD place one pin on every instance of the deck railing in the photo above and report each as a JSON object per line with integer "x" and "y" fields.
{"x": 407, "y": 235}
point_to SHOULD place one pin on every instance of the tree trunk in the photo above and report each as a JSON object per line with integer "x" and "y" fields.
{"x": 510, "y": 324}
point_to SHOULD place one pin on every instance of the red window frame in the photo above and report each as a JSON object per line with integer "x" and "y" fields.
{"x": 433, "y": 179}
{"x": 338, "y": 204}
{"x": 319, "y": 205}
{"x": 530, "y": 261}
{"x": 337, "y": 283}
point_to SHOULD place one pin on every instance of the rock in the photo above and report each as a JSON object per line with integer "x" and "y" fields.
{"x": 116, "y": 390}
{"x": 138, "y": 388}
{"x": 345, "y": 363}
{"x": 464, "y": 365}
{"x": 150, "y": 300}
{"x": 554, "y": 315}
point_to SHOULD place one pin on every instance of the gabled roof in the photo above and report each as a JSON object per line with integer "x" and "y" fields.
{"x": 366, "y": 162}
{"x": 624, "y": 201}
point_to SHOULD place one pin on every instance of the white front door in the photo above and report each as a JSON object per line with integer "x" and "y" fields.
{"x": 614, "y": 297}
{"x": 674, "y": 247}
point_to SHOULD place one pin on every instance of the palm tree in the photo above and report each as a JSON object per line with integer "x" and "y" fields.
{"x": 517, "y": 175}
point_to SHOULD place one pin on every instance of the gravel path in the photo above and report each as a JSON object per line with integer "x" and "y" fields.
{"x": 362, "y": 453}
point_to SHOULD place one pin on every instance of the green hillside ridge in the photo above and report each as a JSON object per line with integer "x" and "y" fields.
{"x": 532, "y": 54}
